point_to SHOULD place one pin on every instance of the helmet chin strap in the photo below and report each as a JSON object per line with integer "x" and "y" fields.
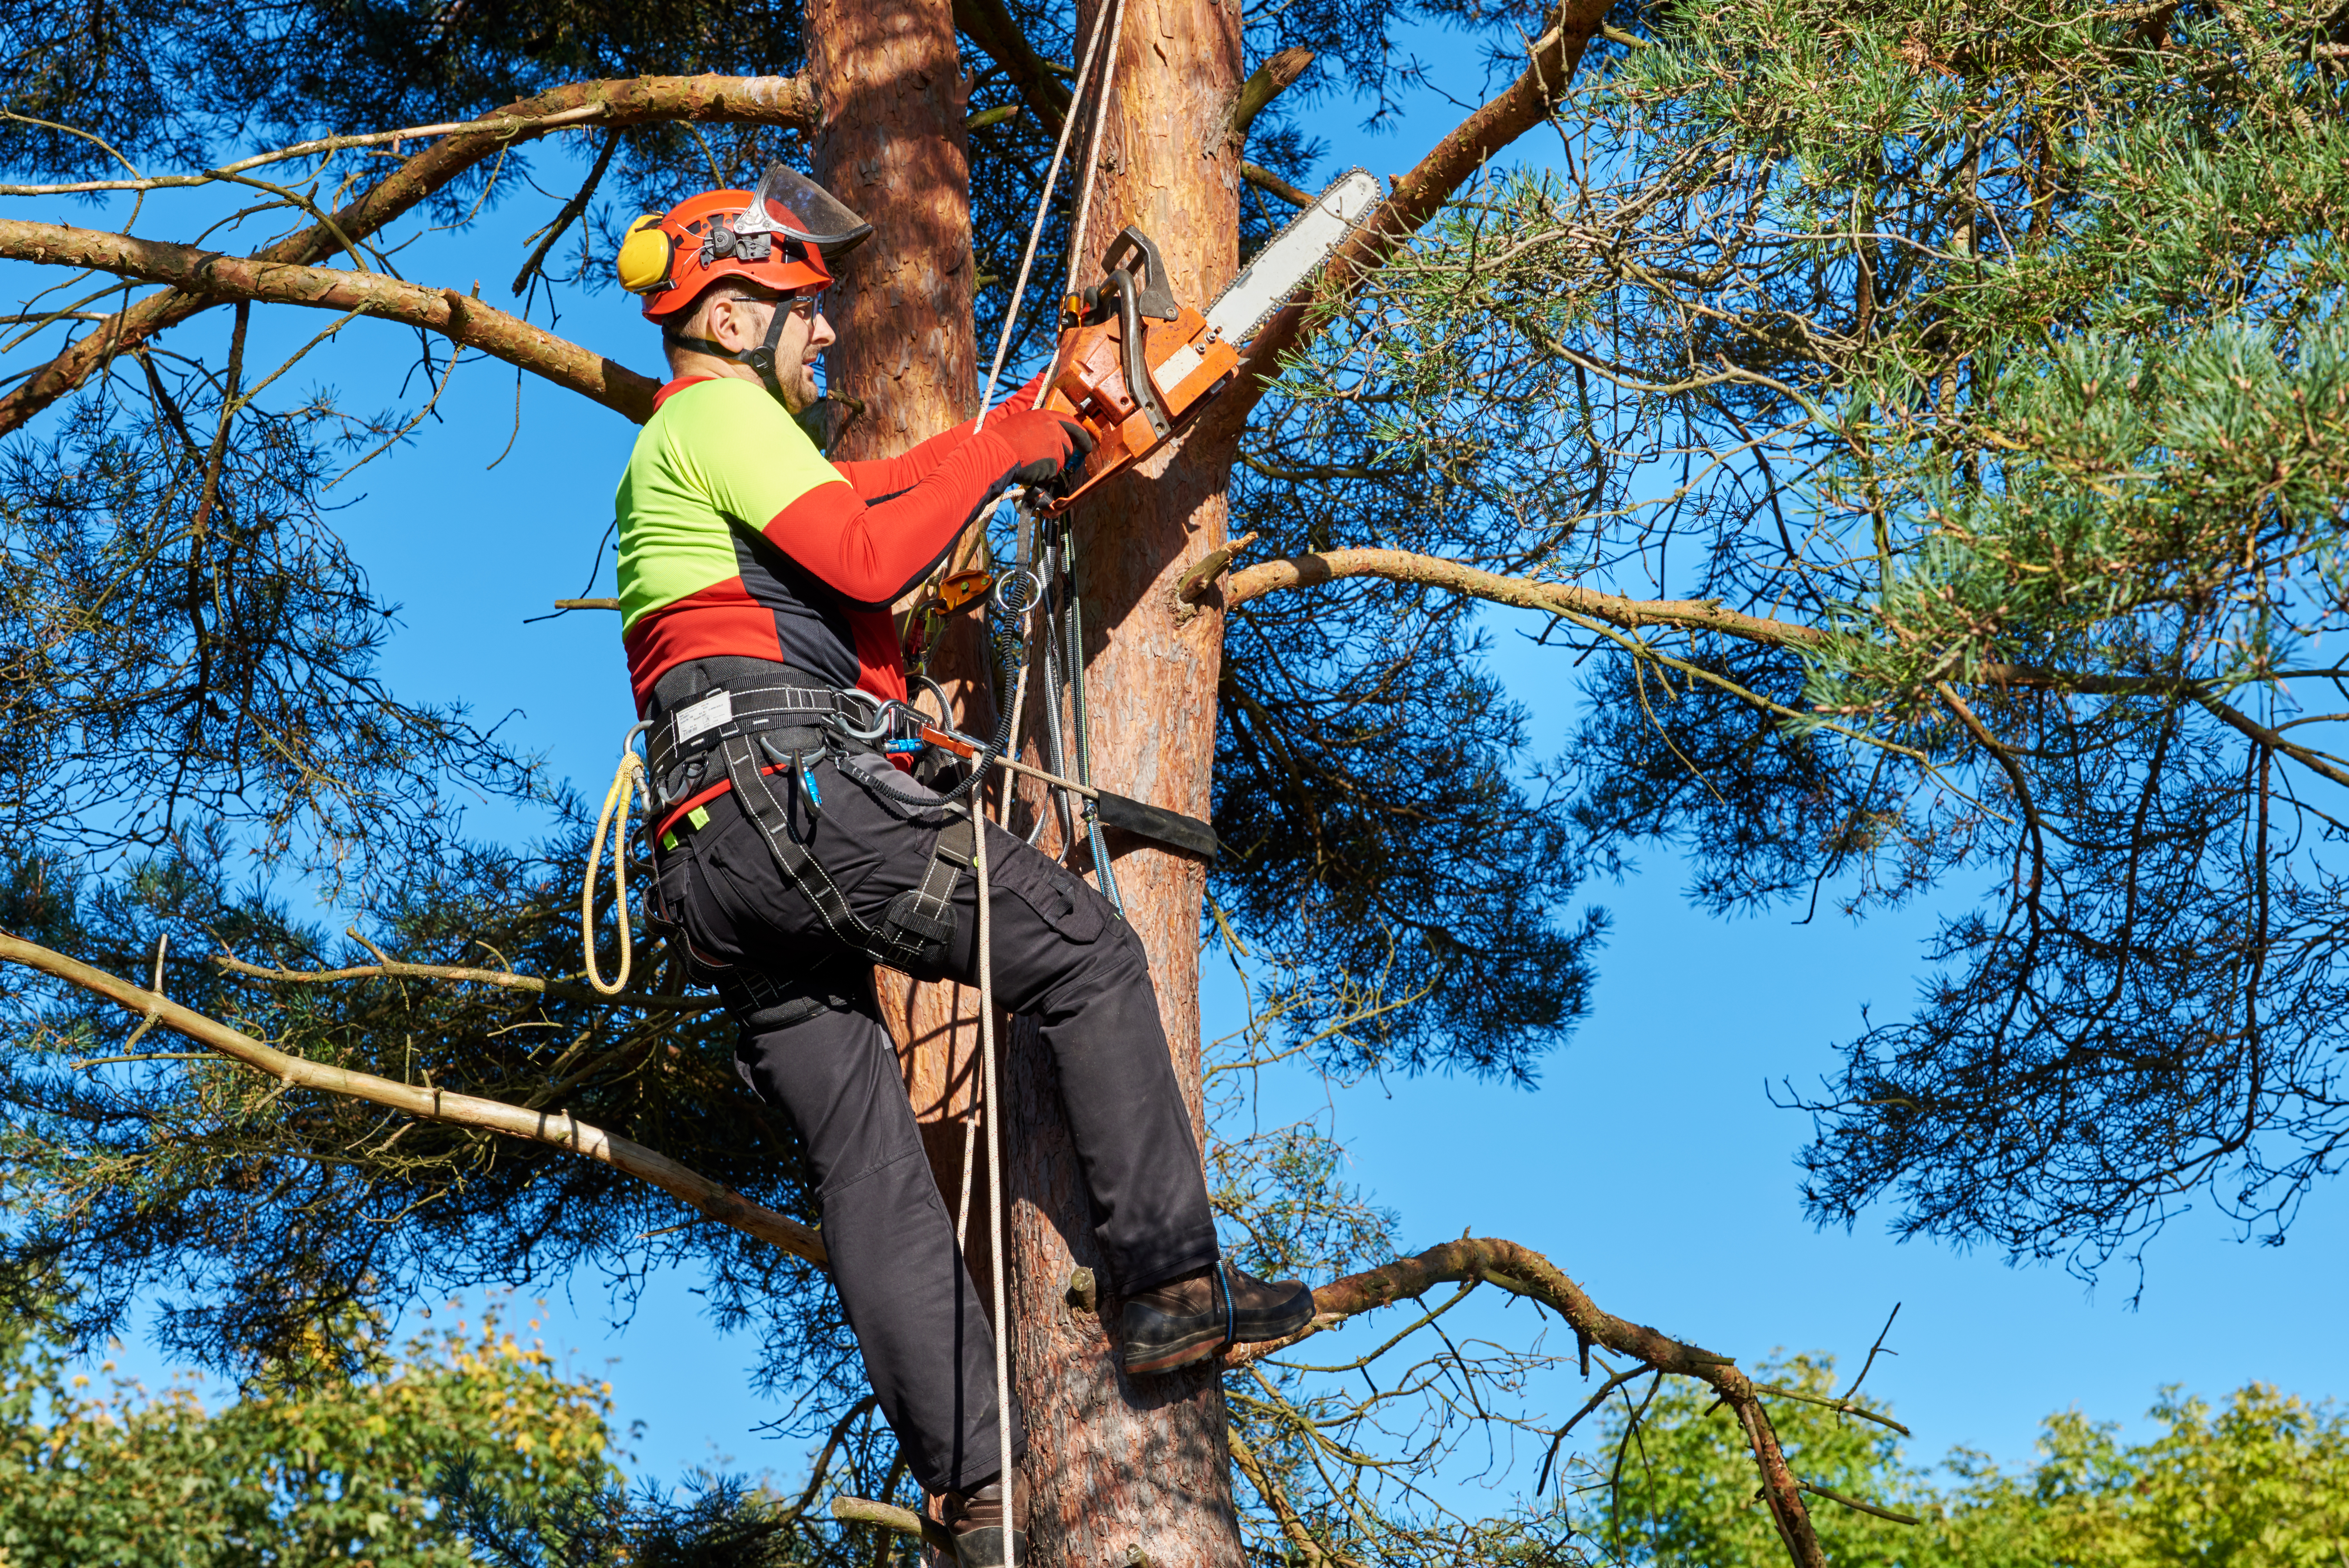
{"x": 760, "y": 359}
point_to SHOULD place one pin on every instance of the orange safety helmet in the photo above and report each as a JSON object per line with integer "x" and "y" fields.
{"x": 777, "y": 237}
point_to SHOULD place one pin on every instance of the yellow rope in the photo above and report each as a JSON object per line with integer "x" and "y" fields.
{"x": 627, "y": 783}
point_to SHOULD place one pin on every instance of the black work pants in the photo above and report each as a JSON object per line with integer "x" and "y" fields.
{"x": 810, "y": 1042}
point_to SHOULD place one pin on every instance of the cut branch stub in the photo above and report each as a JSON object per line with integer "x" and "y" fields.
{"x": 1270, "y": 80}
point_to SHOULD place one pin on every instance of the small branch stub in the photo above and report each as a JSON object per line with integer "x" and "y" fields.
{"x": 1083, "y": 1293}
{"x": 1200, "y": 580}
{"x": 1272, "y": 78}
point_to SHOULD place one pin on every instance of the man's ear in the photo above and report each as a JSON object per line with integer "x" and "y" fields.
{"x": 710, "y": 321}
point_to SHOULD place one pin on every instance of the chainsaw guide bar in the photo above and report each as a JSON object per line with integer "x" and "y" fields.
{"x": 1290, "y": 257}
{"x": 1134, "y": 364}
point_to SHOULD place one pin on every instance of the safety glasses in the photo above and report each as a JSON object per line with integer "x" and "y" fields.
{"x": 806, "y": 306}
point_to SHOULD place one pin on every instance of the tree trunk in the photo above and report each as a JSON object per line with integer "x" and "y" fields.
{"x": 1121, "y": 1468}
{"x": 893, "y": 147}
{"x": 1116, "y": 1468}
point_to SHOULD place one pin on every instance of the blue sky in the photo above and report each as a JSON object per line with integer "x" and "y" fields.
{"x": 1649, "y": 1164}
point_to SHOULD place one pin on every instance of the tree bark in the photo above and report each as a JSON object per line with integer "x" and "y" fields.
{"x": 1118, "y": 1467}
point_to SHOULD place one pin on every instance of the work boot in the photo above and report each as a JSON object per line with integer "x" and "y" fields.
{"x": 1190, "y": 1319}
{"x": 976, "y": 1518}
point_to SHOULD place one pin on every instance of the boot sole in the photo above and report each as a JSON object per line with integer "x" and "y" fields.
{"x": 1182, "y": 1353}
{"x": 1199, "y": 1346}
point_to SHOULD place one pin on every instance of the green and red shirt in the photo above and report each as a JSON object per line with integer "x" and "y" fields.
{"x": 738, "y": 538}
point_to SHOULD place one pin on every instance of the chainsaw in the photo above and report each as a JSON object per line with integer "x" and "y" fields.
{"x": 1135, "y": 365}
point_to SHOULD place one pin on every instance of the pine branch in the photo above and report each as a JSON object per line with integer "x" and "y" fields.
{"x": 555, "y": 1129}
{"x": 748, "y": 100}
{"x": 210, "y": 277}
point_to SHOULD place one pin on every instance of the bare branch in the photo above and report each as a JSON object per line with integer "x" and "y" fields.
{"x": 211, "y": 276}
{"x": 1264, "y": 179}
{"x": 1524, "y": 1272}
{"x": 747, "y": 100}
{"x": 392, "y": 968}
{"x": 1853, "y": 1502}
{"x": 1557, "y": 598}
{"x": 1294, "y": 1529}
{"x": 570, "y": 212}
{"x": 889, "y": 1516}
{"x": 556, "y": 1129}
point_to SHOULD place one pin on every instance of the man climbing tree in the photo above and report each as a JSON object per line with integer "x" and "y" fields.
{"x": 743, "y": 558}
{"x": 1923, "y": 430}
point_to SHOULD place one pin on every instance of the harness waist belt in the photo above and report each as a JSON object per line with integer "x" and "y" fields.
{"x": 759, "y": 711}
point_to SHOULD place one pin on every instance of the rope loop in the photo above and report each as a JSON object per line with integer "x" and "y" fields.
{"x": 629, "y": 785}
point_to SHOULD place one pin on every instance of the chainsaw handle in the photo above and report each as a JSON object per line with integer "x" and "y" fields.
{"x": 1132, "y": 343}
{"x": 1157, "y": 298}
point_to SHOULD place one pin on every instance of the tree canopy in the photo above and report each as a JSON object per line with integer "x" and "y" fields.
{"x": 2260, "y": 1478}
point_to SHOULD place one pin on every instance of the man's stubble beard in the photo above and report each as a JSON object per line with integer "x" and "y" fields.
{"x": 801, "y": 391}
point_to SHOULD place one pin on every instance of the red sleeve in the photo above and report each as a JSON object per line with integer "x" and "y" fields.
{"x": 871, "y": 553}
{"x": 880, "y": 480}
{"x": 889, "y": 477}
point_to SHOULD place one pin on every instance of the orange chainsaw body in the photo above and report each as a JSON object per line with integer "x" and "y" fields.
{"x": 1180, "y": 361}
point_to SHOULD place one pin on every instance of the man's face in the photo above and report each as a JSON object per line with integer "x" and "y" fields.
{"x": 741, "y": 323}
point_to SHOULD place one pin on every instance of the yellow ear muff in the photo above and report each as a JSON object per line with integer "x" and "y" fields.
{"x": 645, "y": 251}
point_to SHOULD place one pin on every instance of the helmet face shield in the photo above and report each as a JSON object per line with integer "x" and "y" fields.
{"x": 791, "y": 204}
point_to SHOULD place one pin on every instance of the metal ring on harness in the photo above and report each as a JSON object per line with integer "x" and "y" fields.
{"x": 880, "y": 726}
{"x": 1031, "y": 591}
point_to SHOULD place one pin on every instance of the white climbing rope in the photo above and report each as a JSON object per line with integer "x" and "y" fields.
{"x": 992, "y": 1103}
{"x": 1044, "y": 201}
{"x": 1093, "y": 158}
{"x": 627, "y": 785}
{"x": 991, "y": 1108}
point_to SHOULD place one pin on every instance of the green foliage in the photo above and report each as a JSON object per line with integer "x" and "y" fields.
{"x": 1947, "y": 411}
{"x": 2262, "y": 1481}
{"x": 309, "y": 1466}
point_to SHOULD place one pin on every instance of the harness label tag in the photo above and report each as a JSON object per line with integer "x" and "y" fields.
{"x": 711, "y": 711}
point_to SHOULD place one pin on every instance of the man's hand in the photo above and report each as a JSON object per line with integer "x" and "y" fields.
{"x": 1045, "y": 444}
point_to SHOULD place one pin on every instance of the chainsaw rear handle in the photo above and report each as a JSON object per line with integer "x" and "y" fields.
{"x": 1157, "y": 298}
